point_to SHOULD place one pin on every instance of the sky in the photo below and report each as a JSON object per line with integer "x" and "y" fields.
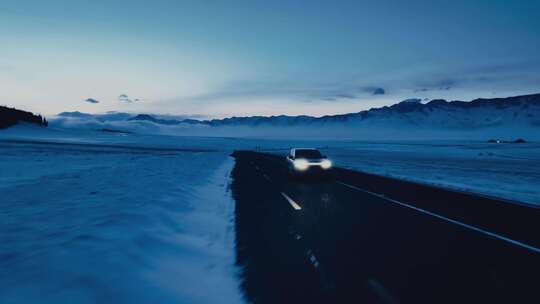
{"x": 215, "y": 58}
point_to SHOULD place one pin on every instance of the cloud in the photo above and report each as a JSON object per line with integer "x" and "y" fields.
{"x": 501, "y": 77}
{"x": 343, "y": 91}
{"x": 378, "y": 91}
{"x": 374, "y": 90}
{"x": 91, "y": 100}
{"x": 345, "y": 95}
{"x": 331, "y": 95}
{"x": 455, "y": 82}
{"x": 298, "y": 90}
{"x": 124, "y": 98}
{"x": 437, "y": 83}
{"x": 350, "y": 91}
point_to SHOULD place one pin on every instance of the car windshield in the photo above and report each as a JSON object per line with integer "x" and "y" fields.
{"x": 308, "y": 153}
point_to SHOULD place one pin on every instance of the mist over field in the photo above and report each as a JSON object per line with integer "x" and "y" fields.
{"x": 503, "y": 118}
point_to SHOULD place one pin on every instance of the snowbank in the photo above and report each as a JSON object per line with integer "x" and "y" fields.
{"x": 125, "y": 225}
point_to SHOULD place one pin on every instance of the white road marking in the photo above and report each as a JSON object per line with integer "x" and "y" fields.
{"x": 313, "y": 259}
{"x": 266, "y": 177}
{"x": 290, "y": 200}
{"x": 480, "y": 230}
{"x": 383, "y": 294}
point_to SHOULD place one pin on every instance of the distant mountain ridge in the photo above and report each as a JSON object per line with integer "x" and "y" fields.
{"x": 147, "y": 117}
{"x": 478, "y": 113}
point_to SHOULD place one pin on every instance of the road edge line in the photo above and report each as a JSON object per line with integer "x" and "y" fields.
{"x": 455, "y": 222}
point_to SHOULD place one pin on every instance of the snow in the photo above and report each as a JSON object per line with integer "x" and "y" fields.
{"x": 29, "y": 133}
{"x": 115, "y": 225}
{"x": 506, "y": 171}
{"x": 506, "y": 119}
{"x": 89, "y": 216}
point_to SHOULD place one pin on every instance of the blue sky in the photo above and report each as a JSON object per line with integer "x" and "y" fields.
{"x": 223, "y": 58}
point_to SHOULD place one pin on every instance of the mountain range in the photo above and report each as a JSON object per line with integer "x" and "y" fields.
{"x": 518, "y": 112}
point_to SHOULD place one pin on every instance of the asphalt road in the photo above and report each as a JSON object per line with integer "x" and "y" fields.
{"x": 358, "y": 238}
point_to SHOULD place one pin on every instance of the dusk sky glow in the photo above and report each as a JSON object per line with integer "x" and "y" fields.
{"x": 224, "y": 58}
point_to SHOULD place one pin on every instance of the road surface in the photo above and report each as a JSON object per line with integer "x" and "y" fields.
{"x": 360, "y": 238}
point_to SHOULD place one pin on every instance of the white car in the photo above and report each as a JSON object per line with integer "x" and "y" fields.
{"x": 307, "y": 161}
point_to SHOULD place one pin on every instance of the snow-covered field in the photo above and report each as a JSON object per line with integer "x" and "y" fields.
{"x": 507, "y": 171}
{"x": 83, "y": 224}
{"x": 124, "y": 218}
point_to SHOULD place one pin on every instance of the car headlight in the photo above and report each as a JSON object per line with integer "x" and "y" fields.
{"x": 301, "y": 164}
{"x": 326, "y": 164}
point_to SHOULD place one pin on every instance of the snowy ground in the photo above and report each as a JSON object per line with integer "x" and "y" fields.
{"x": 104, "y": 225}
{"x": 124, "y": 218}
{"x": 508, "y": 171}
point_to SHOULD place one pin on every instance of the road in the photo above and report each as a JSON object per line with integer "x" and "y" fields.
{"x": 359, "y": 238}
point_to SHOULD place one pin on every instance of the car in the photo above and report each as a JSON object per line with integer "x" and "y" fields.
{"x": 308, "y": 162}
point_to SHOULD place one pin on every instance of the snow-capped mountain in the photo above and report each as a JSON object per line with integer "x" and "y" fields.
{"x": 439, "y": 113}
{"x": 507, "y": 118}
